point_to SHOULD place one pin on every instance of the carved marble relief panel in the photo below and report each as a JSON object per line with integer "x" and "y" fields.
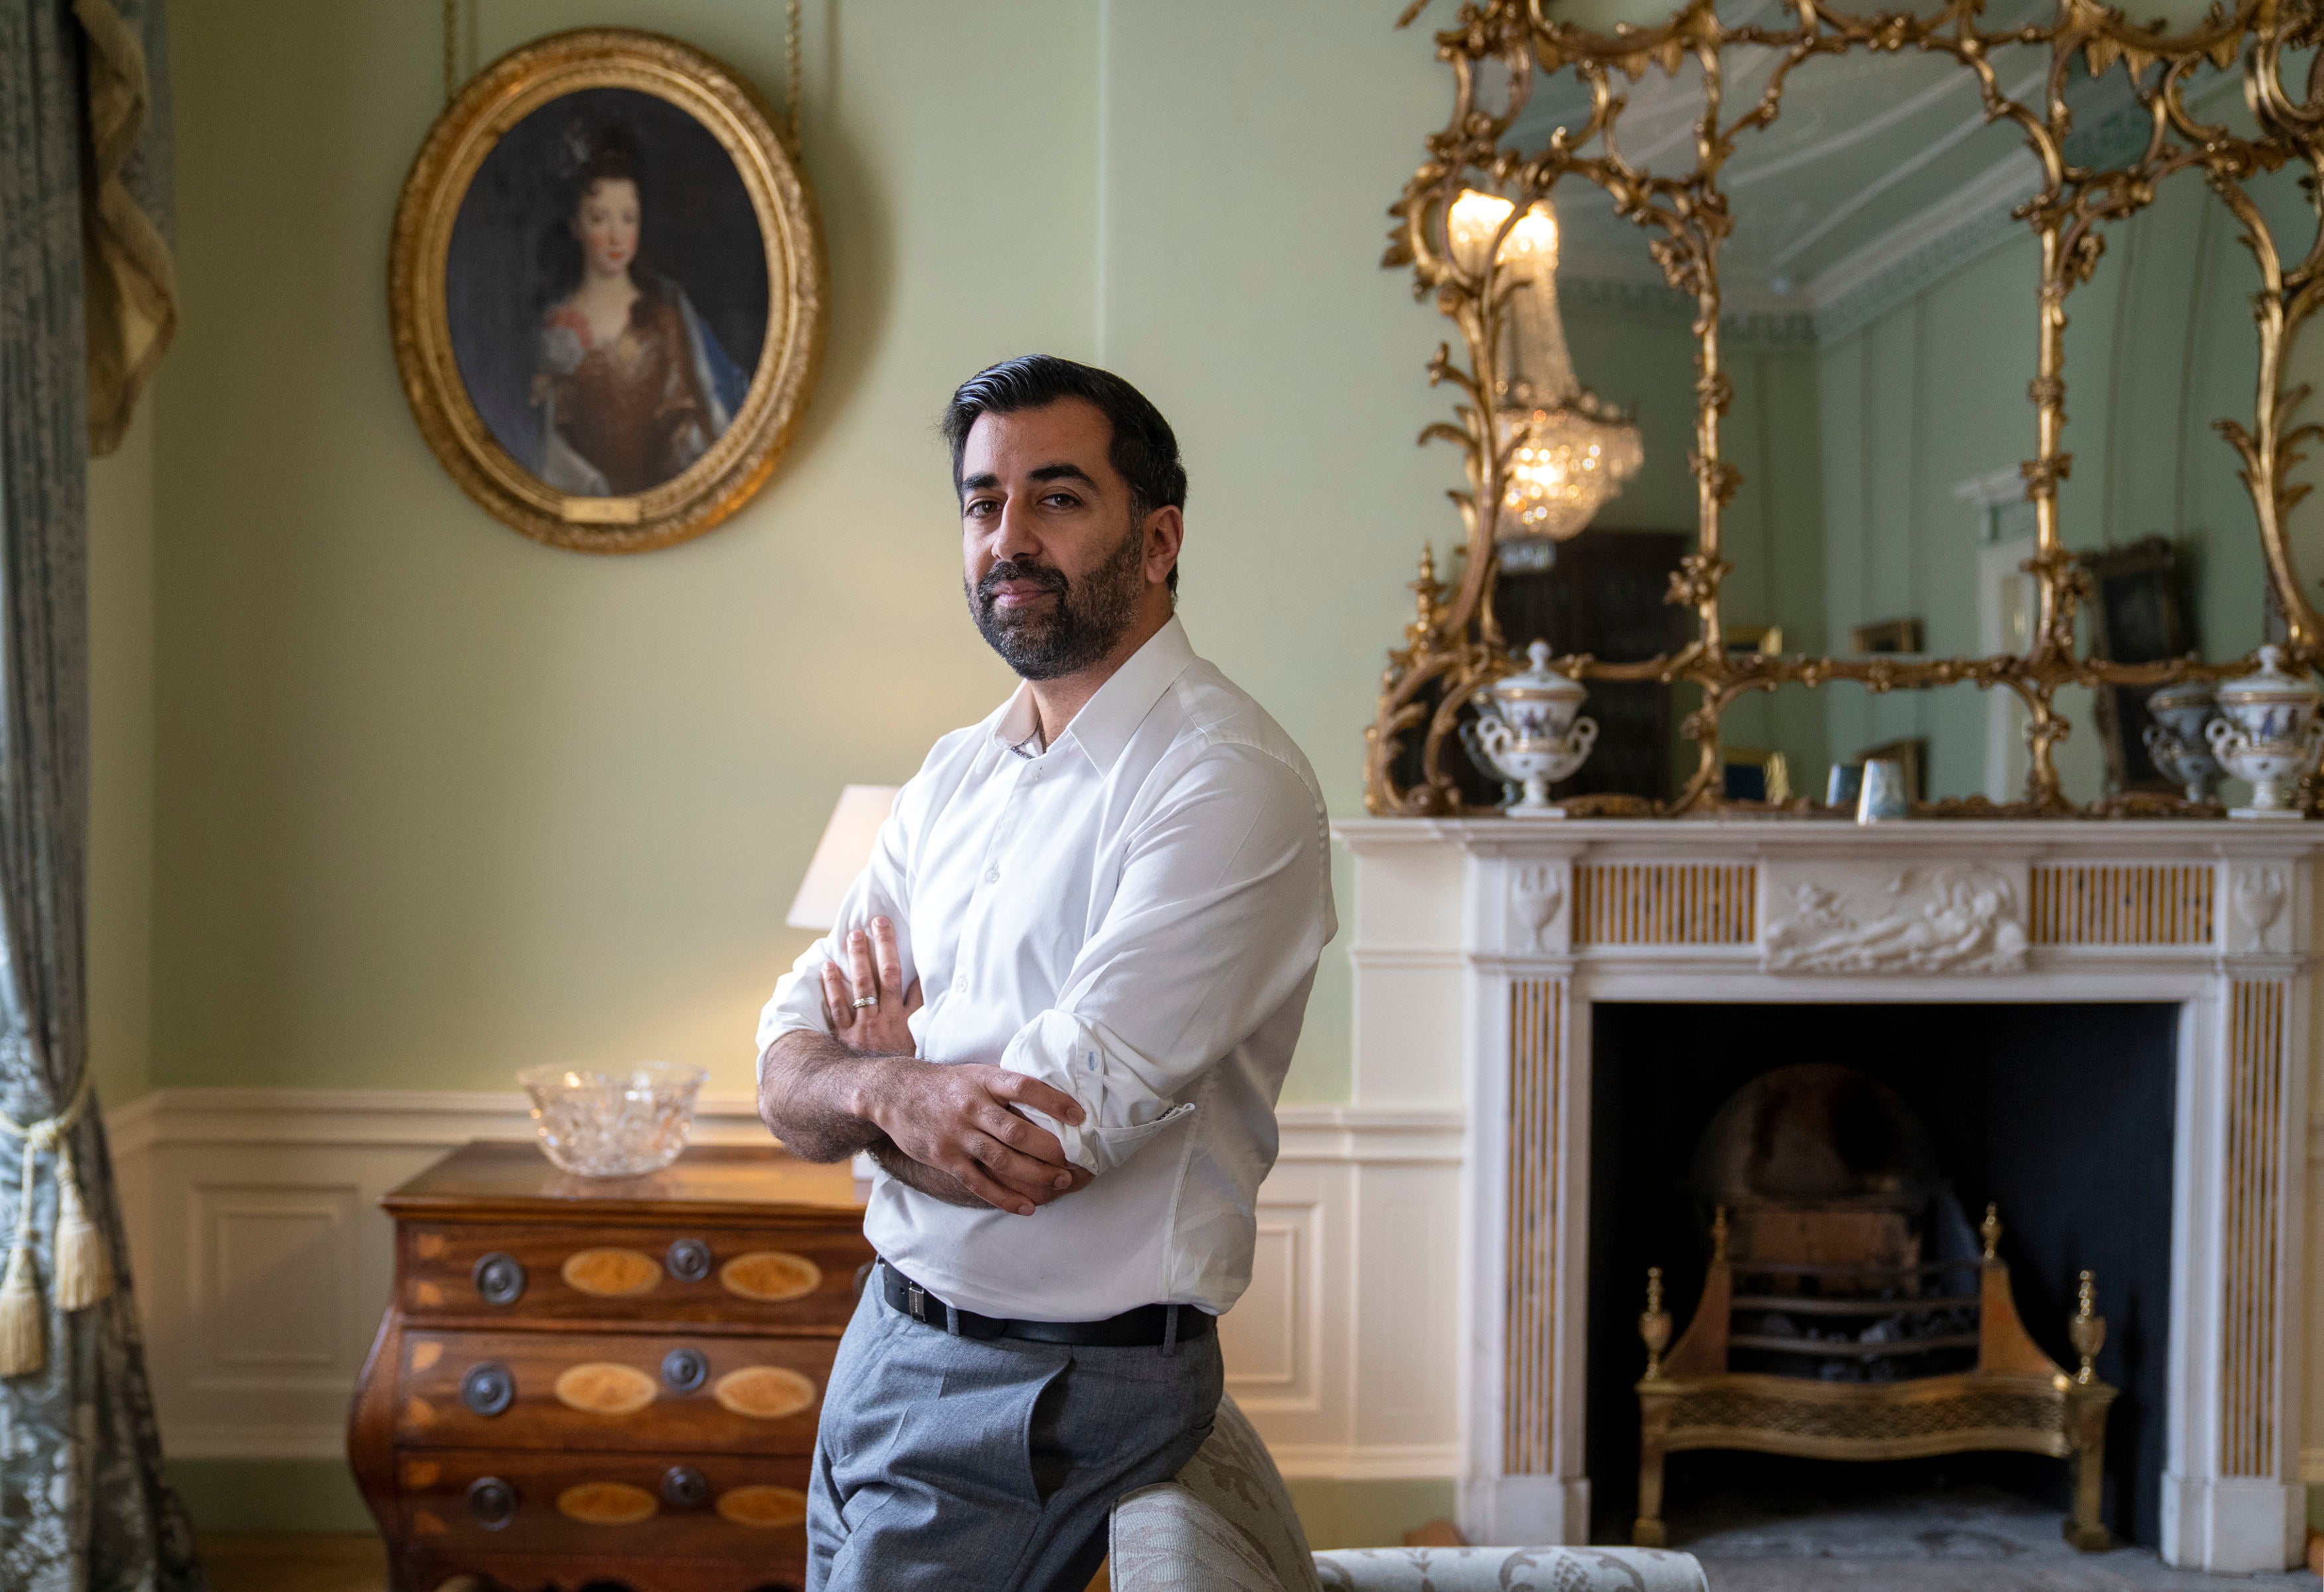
{"x": 1955, "y": 916}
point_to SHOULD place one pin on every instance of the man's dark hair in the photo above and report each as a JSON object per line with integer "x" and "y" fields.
{"x": 1143, "y": 451}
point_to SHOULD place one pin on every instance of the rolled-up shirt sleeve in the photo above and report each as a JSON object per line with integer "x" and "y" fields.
{"x": 1223, "y": 909}
{"x": 882, "y": 889}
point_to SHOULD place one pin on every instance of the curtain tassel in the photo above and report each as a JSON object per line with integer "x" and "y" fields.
{"x": 84, "y": 1269}
{"x": 82, "y": 1275}
{"x": 20, "y": 1313}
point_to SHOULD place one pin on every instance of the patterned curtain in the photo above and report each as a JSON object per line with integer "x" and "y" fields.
{"x": 86, "y": 308}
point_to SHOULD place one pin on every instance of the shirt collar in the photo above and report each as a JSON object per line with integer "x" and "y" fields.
{"x": 1108, "y": 719}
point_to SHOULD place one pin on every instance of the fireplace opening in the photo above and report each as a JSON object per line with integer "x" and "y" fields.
{"x": 2061, "y": 1116}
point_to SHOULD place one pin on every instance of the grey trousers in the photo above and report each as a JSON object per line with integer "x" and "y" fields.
{"x": 946, "y": 1462}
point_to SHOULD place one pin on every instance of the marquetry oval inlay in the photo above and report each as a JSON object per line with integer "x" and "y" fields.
{"x": 607, "y": 1502}
{"x": 765, "y": 1507}
{"x": 612, "y": 1272}
{"x": 601, "y": 1387}
{"x": 770, "y": 1274}
{"x": 420, "y": 1475}
{"x": 425, "y": 1353}
{"x": 764, "y": 1393}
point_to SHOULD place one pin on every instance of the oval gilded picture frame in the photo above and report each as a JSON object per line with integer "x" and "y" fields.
{"x": 472, "y": 291}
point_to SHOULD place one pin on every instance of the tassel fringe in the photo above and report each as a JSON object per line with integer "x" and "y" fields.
{"x": 84, "y": 1269}
{"x": 20, "y": 1350}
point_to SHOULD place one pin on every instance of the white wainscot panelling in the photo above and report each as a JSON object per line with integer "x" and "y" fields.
{"x": 1268, "y": 1338}
{"x": 263, "y": 1264}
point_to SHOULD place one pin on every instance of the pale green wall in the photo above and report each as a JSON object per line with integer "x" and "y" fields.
{"x": 435, "y": 803}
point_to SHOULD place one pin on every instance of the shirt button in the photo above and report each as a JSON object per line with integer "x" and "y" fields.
{"x": 993, "y": 876}
{"x": 960, "y": 985}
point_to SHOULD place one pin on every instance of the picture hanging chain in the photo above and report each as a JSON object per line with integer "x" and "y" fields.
{"x": 791, "y": 60}
{"x": 451, "y": 50}
{"x": 790, "y": 69}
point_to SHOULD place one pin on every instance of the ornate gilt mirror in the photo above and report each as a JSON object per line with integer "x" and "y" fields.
{"x": 1770, "y": 319}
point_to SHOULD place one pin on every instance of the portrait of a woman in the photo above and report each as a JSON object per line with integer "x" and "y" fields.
{"x": 631, "y": 382}
{"x": 607, "y": 294}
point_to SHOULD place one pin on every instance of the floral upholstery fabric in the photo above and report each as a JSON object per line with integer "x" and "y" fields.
{"x": 1166, "y": 1539}
{"x": 1226, "y": 1524}
{"x": 1244, "y": 1521}
{"x": 1510, "y": 1570}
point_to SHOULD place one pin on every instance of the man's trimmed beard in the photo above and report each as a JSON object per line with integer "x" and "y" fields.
{"x": 1083, "y": 626}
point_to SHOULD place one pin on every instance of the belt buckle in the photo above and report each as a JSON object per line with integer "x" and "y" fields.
{"x": 916, "y": 1303}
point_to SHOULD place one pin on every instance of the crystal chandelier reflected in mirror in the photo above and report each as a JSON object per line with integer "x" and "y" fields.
{"x": 1573, "y": 451}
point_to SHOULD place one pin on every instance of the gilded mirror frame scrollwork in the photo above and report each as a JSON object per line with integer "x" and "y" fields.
{"x": 1452, "y": 649}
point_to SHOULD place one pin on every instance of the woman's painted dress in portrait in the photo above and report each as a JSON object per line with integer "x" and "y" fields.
{"x": 623, "y": 415}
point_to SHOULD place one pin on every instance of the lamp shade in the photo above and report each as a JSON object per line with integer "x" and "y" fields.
{"x": 840, "y": 855}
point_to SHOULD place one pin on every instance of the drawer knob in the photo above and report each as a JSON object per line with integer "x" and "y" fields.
{"x": 688, "y": 1260}
{"x": 488, "y": 1389}
{"x": 491, "y": 1502}
{"x": 685, "y": 1488}
{"x": 500, "y": 1278}
{"x": 685, "y": 1369}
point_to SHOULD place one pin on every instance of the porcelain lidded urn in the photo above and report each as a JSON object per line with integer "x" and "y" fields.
{"x": 2268, "y": 733}
{"x": 2176, "y": 739}
{"x": 1527, "y": 733}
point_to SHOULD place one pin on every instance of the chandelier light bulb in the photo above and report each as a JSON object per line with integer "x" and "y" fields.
{"x": 1570, "y": 452}
{"x": 1475, "y": 218}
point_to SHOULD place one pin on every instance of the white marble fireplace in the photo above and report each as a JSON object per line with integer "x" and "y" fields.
{"x": 1479, "y": 946}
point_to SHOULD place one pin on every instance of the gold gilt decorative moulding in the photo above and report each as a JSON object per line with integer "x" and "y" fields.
{"x": 1453, "y": 649}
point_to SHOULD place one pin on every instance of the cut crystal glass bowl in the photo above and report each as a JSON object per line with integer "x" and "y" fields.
{"x": 616, "y": 1124}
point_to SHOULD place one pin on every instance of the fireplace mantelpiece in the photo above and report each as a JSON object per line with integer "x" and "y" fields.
{"x": 1479, "y": 946}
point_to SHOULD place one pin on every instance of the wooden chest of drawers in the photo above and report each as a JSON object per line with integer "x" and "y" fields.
{"x": 584, "y": 1379}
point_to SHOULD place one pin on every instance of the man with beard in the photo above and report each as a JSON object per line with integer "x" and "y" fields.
{"x": 1057, "y": 1010}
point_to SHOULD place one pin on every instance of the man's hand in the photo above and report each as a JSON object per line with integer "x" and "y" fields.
{"x": 958, "y": 1119}
{"x": 942, "y": 1185}
{"x": 950, "y": 1131}
{"x": 867, "y": 1007}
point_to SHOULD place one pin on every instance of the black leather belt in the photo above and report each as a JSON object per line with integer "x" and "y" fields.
{"x": 1146, "y": 1326}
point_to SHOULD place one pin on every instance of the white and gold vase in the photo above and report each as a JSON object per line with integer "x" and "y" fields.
{"x": 2268, "y": 733}
{"x": 1526, "y": 732}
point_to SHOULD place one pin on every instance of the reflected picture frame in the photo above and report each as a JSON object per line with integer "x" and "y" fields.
{"x": 1756, "y": 774}
{"x": 2140, "y": 613}
{"x": 715, "y": 191}
{"x": 1887, "y": 636}
{"x": 1911, "y": 755}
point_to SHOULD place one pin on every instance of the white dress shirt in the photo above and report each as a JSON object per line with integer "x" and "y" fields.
{"x": 1133, "y": 916}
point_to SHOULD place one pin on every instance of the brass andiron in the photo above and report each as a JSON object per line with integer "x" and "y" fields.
{"x": 1654, "y": 1326}
{"x": 1654, "y": 1323}
{"x": 2087, "y": 1399}
{"x": 2087, "y": 1331}
{"x": 2010, "y": 1395}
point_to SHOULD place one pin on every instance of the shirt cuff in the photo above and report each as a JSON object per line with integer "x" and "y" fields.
{"x": 796, "y": 1008}
{"x": 1118, "y": 1115}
